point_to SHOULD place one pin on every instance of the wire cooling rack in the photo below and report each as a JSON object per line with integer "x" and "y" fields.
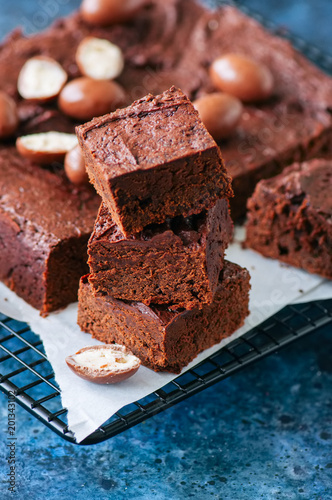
{"x": 26, "y": 372}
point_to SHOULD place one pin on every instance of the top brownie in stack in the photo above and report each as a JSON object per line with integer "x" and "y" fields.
{"x": 153, "y": 160}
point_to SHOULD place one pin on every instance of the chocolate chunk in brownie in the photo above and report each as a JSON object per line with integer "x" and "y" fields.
{"x": 290, "y": 217}
{"x": 153, "y": 160}
{"x": 45, "y": 224}
{"x": 164, "y": 339}
{"x": 176, "y": 262}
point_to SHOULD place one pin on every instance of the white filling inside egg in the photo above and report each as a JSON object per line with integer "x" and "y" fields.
{"x": 106, "y": 360}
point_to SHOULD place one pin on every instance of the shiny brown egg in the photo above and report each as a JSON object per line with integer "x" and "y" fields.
{"x": 107, "y": 12}
{"x": 84, "y": 98}
{"x": 242, "y": 77}
{"x": 220, "y": 113}
{"x": 75, "y": 166}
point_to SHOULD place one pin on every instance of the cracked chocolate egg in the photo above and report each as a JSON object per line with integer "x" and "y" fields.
{"x": 104, "y": 364}
{"x": 99, "y": 59}
{"x": 46, "y": 147}
{"x": 41, "y": 79}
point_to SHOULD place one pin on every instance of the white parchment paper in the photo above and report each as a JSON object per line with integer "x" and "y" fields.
{"x": 274, "y": 285}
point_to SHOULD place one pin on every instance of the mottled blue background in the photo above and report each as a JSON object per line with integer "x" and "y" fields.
{"x": 264, "y": 433}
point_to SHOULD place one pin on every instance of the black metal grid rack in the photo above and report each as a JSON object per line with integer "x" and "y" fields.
{"x": 26, "y": 371}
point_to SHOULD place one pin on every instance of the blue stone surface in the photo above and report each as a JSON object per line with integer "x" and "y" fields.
{"x": 266, "y": 432}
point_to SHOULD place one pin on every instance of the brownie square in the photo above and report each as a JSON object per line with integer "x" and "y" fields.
{"x": 164, "y": 339}
{"x": 290, "y": 217}
{"x": 45, "y": 224}
{"x": 153, "y": 160}
{"x": 177, "y": 262}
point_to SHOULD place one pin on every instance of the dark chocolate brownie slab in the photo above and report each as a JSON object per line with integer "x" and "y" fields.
{"x": 177, "y": 262}
{"x": 290, "y": 217}
{"x": 167, "y": 340}
{"x": 153, "y": 160}
{"x": 45, "y": 224}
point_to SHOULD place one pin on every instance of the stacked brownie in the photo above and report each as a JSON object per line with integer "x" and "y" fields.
{"x": 158, "y": 281}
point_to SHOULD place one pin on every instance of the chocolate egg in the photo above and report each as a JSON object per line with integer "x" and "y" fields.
{"x": 75, "y": 166}
{"x": 46, "y": 147}
{"x": 84, "y": 98}
{"x": 220, "y": 113}
{"x": 104, "y": 364}
{"x": 8, "y": 116}
{"x": 41, "y": 79}
{"x": 99, "y": 59}
{"x": 242, "y": 77}
{"x": 106, "y": 12}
